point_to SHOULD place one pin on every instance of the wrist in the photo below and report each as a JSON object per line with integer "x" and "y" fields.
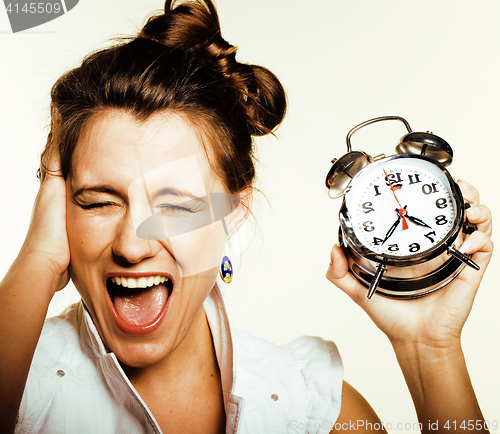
{"x": 422, "y": 360}
{"x": 426, "y": 349}
{"x": 422, "y": 363}
{"x": 39, "y": 269}
{"x": 437, "y": 378}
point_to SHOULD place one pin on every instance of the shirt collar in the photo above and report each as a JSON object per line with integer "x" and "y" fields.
{"x": 218, "y": 320}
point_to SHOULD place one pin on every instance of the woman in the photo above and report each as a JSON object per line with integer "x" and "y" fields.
{"x": 145, "y": 139}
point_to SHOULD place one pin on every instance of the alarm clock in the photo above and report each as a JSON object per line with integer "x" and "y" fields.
{"x": 402, "y": 216}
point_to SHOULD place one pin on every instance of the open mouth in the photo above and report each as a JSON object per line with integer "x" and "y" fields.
{"x": 138, "y": 304}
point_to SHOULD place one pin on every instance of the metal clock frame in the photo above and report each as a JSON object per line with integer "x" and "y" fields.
{"x": 369, "y": 267}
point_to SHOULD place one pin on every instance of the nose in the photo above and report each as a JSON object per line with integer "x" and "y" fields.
{"x": 129, "y": 248}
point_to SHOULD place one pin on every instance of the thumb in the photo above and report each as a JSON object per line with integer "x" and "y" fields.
{"x": 338, "y": 274}
{"x": 338, "y": 268}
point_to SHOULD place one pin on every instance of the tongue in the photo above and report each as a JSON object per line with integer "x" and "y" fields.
{"x": 141, "y": 307}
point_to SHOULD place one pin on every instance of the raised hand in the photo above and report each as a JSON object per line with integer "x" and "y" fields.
{"x": 47, "y": 239}
{"x": 40, "y": 269}
{"x": 425, "y": 332}
{"x": 437, "y": 317}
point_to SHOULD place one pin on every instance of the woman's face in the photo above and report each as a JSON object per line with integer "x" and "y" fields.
{"x": 144, "y": 286}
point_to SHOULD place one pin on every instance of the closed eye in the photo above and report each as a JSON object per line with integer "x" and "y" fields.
{"x": 174, "y": 208}
{"x": 189, "y": 206}
{"x": 95, "y": 205}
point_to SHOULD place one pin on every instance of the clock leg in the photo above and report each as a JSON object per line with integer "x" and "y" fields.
{"x": 376, "y": 280}
{"x": 464, "y": 258}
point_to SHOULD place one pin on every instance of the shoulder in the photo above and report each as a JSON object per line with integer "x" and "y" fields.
{"x": 60, "y": 339}
{"x": 303, "y": 377}
{"x": 308, "y": 356}
{"x": 58, "y": 356}
{"x": 356, "y": 413}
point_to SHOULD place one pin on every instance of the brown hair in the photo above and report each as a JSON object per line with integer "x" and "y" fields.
{"x": 179, "y": 63}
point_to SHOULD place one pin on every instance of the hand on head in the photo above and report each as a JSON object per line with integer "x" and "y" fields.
{"x": 47, "y": 237}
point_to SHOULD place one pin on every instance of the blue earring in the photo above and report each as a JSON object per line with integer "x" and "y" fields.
{"x": 226, "y": 270}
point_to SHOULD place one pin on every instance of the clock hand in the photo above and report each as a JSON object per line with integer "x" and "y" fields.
{"x": 402, "y": 214}
{"x": 417, "y": 221}
{"x": 392, "y": 229}
{"x": 401, "y": 210}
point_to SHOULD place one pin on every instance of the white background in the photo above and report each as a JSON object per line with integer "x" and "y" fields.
{"x": 436, "y": 63}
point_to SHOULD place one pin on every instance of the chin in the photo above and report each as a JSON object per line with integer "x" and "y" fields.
{"x": 141, "y": 355}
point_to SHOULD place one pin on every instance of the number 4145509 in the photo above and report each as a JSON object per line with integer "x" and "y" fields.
{"x": 34, "y": 8}
{"x": 471, "y": 425}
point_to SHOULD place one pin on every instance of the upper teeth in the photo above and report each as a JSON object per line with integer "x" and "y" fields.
{"x": 142, "y": 282}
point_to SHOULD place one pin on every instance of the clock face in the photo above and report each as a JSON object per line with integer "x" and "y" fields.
{"x": 401, "y": 207}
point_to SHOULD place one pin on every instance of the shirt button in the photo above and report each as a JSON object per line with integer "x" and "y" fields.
{"x": 274, "y": 397}
{"x": 61, "y": 373}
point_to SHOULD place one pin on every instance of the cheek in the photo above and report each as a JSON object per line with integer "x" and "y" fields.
{"x": 88, "y": 234}
{"x": 200, "y": 250}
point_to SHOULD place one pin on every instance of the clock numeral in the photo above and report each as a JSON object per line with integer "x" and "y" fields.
{"x": 394, "y": 179}
{"x": 378, "y": 241}
{"x": 429, "y": 188}
{"x": 441, "y": 220}
{"x": 377, "y": 192}
{"x": 368, "y": 226}
{"x": 415, "y": 247}
{"x": 441, "y": 203}
{"x": 393, "y": 248}
{"x": 367, "y": 207}
{"x": 414, "y": 179}
{"x": 429, "y": 235}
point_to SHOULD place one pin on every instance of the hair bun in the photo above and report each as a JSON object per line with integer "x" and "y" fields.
{"x": 190, "y": 25}
{"x": 194, "y": 27}
{"x": 263, "y": 97}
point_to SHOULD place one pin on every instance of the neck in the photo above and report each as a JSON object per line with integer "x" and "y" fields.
{"x": 186, "y": 386}
{"x": 193, "y": 359}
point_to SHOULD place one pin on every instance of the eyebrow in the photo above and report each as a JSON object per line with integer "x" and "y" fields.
{"x": 176, "y": 192}
{"x": 162, "y": 192}
{"x": 96, "y": 189}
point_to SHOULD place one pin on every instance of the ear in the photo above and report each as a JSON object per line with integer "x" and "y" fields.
{"x": 241, "y": 210}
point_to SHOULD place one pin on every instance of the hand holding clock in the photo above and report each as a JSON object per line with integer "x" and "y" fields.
{"x": 433, "y": 317}
{"x": 425, "y": 332}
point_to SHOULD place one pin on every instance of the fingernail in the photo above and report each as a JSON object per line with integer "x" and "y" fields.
{"x": 464, "y": 183}
{"x": 472, "y": 212}
{"x": 464, "y": 248}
